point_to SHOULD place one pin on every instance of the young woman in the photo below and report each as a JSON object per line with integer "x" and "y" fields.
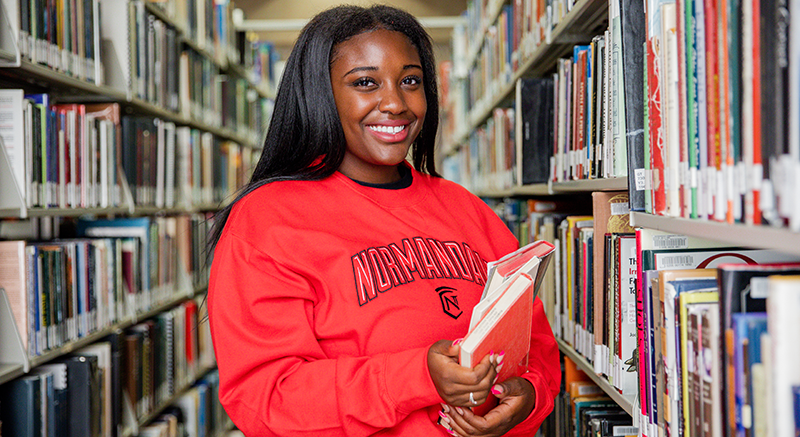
{"x": 341, "y": 273}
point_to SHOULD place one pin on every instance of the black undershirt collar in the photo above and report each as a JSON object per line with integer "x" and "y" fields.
{"x": 405, "y": 180}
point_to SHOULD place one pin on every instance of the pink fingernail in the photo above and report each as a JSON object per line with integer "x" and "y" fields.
{"x": 459, "y": 411}
{"x": 444, "y": 416}
{"x": 500, "y": 357}
{"x": 445, "y": 408}
{"x": 451, "y": 432}
{"x": 497, "y": 390}
{"x": 458, "y": 341}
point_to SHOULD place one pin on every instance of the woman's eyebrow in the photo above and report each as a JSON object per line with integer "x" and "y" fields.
{"x": 370, "y": 68}
{"x": 366, "y": 68}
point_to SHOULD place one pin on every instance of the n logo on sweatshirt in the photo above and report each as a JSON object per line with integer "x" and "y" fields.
{"x": 449, "y": 301}
{"x": 379, "y": 269}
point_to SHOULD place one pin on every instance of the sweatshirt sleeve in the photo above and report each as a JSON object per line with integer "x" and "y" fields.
{"x": 275, "y": 379}
{"x": 544, "y": 372}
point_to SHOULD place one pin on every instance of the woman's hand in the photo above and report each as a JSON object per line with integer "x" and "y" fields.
{"x": 455, "y": 382}
{"x": 517, "y": 399}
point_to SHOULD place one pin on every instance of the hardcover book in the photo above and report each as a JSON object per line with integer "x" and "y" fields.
{"x": 501, "y": 322}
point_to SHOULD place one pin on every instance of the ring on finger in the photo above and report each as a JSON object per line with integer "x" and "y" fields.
{"x": 472, "y": 399}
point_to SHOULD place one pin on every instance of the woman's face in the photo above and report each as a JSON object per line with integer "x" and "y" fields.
{"x": 377, "y": 85}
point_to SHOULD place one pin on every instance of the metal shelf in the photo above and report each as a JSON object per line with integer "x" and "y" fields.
{"x": 41, "y": 75}
{"x": 555, "y": 188}
{"x": 544, "y": 189}
{"x": 10, "y": 371}
{"x": 765, "y": 237}
{"x": 76, "y": 212}
{"x": 626, "y": 402}
{"x": 586, "y": 185}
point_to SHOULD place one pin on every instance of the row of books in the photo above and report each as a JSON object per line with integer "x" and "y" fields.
{"x": 720, "y": 92}
{"x": 587, "y": 139}
{"x": 109, "y": 387}
{"x": 151, "y": 63}
{"x": 62, "y": 155}
{"x": 90, "y": 155}
{"x": 598, "y": 300}
{"x": 208, "y": 23}
{"x": 497, "y": 39}
{"x": 261, "y": 58}
{"x": 66, "y": 289}
{"x": 564, "y": 127}
{"x": 71, "y": 37}
{"x": 62, "y": 35}
{"x": 170, "y": 166}
{"x": 147, "y": 58}
{"x": 582, "y": 409}
{"x": 611, "y": 301}
{"x": 487, "y": 161}
{"x": 727, "y": 338}
{"x": 153, "y": 74}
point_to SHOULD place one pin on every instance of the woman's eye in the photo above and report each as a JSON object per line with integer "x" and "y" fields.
{"x": 364, "y": 82}
{"x": 412, "y": 80}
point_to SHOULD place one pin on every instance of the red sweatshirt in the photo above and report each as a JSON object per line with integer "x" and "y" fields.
{"x": 325, "y": 297}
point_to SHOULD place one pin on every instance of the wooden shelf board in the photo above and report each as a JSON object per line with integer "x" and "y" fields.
{"x": 626, "y": 402}
{"x": 765, "y": 237}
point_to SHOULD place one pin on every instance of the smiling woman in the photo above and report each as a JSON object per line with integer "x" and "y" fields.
{"x": 341, "y": 272}
{"x": 377, "y": 85}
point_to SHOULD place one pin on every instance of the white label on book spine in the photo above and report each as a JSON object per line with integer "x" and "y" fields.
{"x": 625, "y": 430}
{"x": 620, "y": 208}
{"x": 597, "y": 361}
{"x": 670, "y": 242}
{"x": 758, "y": 176}
{"x": 759, "y": 287}
{"x": 640, "y": 177}
{"x": 741, "y": 178}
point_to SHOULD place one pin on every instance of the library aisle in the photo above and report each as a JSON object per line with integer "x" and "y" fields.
{"x": 650, "y": 142}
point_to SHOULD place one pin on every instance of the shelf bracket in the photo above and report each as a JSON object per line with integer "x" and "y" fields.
{"x": 12, "y": 351}
{"x": 10, "y": 56}
{"x": 12, "y": 203}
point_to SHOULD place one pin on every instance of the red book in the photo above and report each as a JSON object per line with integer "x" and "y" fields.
{"x": 656, "y": 135}
{"x": 724, "y": 95}
{"x": 682, "y": 84}
{"x": 755, "y": 173}
{"x": 506, "y": 327}
{"x": 580, "y": 124}
{"x": 191, "y": 335}
{"x": 713, "y": 85}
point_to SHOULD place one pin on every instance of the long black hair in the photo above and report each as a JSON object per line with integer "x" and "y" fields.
{"x": 305, "y": 140}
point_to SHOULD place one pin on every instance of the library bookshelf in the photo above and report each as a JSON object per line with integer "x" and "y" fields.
{"x": 195, "y": 109}
{"x": 493, "y": 53}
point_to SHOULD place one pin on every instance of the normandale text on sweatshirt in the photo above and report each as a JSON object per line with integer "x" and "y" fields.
{"x": 378, "y": 269}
